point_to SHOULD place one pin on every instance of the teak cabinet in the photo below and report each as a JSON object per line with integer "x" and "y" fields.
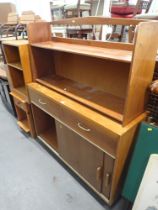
{"x": 88, "y": 98}
{"x": 19, "y": 74}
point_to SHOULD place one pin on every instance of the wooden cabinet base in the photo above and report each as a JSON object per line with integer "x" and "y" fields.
{"x": 95, "y": 147}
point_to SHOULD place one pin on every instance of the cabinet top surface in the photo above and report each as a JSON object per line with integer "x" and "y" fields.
{"x": 100, "y": 52}
{"x": 15, "y": 43}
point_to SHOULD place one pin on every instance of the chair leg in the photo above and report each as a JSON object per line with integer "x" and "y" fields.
{"x": 122, "y": 33}
{"x": 131, "y": 34}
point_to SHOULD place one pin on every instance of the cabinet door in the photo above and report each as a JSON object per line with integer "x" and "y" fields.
{"x": 82, "y": 156}
{"x": 107, "y": 175}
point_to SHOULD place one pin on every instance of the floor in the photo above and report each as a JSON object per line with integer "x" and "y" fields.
{"x": 32, "y": 179}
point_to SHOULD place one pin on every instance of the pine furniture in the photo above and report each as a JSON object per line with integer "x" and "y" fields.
{"x": 88, "y": 98}
{"x": 19, "y": 74}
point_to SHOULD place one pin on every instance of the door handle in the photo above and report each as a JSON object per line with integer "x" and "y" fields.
{"x": 107, "y": 179}
{"x": 98, "y": 173}
{"x": 41, "y": 102}
{"x": 81, "y": 127}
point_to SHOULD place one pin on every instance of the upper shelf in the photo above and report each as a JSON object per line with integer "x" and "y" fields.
{"x": 15, "y": 43}
{"x": 16, "y": 65}
{"x": 100, "y": 52}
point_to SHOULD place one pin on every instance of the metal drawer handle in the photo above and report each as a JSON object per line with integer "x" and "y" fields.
{"x": 41, "y": 102}
{"x": 99, "y": 173}
{"x": 107, "y": 179}
{"x": 81, "y": 127}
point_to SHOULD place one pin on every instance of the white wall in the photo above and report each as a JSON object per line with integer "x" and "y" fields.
{"x": 154, "y": 6}
{"x": 8, "y": 1}
{"x": 40, "y": 7}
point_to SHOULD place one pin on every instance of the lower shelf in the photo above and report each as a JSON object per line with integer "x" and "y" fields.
{"x": 24, "y": 125}
{"x": 16, "y": 65}
{"x": 49, "y": 136}
{"x": 97, "y": 99}
{"x": 45, "y": 127}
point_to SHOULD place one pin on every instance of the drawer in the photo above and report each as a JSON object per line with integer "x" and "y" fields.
{"x": 45, "y": 103}
{"x": 90, "y": 130}
{"x": 71, "y": 114}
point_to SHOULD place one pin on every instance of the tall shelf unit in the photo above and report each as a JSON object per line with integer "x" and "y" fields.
{"x": 88, "y": 98}
{"x": 19, "y": 74}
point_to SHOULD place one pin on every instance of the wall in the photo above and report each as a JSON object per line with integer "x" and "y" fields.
{"x": 154, "y": 6}
{"x": 5, "y": 9}
{"x": 40, "y": 7}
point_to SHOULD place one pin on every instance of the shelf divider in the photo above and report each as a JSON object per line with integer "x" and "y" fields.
{"x": 16, "y": 65}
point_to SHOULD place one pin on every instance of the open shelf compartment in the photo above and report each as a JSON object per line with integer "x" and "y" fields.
{"x": 12, "y": 56}
{"x": 45, "y": 127}
{"x": 22, "y": 119}
{"x": 98, "y": 83}
{"x": 17, "y": 81}
{"x": 16, "y": 65}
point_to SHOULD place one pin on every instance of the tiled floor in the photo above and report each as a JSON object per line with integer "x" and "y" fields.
{"x": 31, "y": 179}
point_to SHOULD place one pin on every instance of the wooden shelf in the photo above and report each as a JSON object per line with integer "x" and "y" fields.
{"x": 49, "y": 136}
{"x": 105, "y": 53}
{"x": 24, "y": 125}
{"x": 16, "y": 65}
{"x": 21, "y": 92}
{"x": 99, "y": 100}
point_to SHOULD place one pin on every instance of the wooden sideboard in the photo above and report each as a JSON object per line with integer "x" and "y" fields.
{"x": 94, "y": 146}
{"x": 88, "y": 98}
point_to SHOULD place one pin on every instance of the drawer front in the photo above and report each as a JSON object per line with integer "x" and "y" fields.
{"x": 90, "y": 130}
{"x": 20, "y": 104}
{"x": 46, "y": 104}
{"x": 86, "y": 128}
